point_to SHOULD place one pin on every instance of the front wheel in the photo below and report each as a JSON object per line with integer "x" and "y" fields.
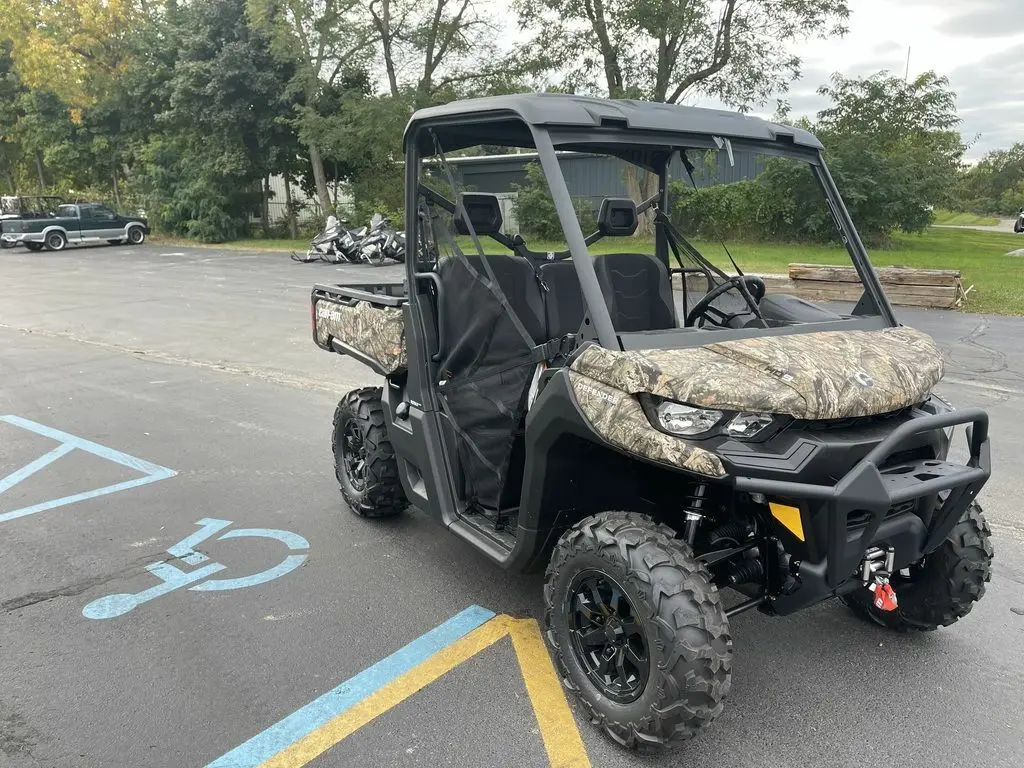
{"x": 638, "y": 629}
{"x": 943, "y": 587}
{"x": 364, "y": 461}
{"x": 136, "y": 235}
{"x": 56, "y": 241}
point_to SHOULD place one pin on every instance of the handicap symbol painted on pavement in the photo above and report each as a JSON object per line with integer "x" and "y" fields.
{"x": 172, "y": 577}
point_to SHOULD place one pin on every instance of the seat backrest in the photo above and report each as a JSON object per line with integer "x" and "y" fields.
{"x": 563, "y": 300}
{"x": 638, "y": 291}
{"x": 517, "y": 281}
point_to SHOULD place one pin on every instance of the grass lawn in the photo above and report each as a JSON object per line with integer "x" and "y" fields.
{"x": 998, "y": 279}
{"x": 953, "y": 218}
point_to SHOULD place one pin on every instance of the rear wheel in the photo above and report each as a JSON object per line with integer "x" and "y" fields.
{"x": 364, "y": 461}
{"x": 940, "y": 589}
{"x": 638, "y": 629}
{"x": 55, "y": 241}
{"x": 136, "y": 235}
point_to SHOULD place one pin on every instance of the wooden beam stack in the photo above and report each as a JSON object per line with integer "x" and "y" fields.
{"x": 905, "y": 286}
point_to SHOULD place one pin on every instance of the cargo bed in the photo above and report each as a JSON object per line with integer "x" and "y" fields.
{"x": 365, "y": 321}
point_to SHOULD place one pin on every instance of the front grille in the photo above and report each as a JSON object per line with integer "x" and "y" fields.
{"x": 859, "y": 519}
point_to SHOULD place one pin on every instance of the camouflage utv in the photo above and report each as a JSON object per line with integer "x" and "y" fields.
{"x": 640, "y": 416}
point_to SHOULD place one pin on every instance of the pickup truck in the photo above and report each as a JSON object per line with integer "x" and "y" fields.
{"x": 79, "y": 223}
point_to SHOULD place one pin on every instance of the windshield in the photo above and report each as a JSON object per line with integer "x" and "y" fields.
{"x": 743, "y": 239}
{"x": 740, "y": 241}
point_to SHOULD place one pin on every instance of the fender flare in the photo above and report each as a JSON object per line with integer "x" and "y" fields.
{"x": 55, "y": 228}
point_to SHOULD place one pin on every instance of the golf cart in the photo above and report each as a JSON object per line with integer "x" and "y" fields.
{"x": 651, "y": 428}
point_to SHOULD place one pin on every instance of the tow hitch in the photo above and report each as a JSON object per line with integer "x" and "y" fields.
{"x": 875, "y": 570}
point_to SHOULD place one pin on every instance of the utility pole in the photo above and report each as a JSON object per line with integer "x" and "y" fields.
{"x": 906, "y": 74}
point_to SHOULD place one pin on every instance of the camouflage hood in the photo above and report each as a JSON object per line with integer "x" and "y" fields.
{"x": 827, "y": 375}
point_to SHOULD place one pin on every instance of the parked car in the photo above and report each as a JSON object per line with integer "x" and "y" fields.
{"x": 80, "y": 223}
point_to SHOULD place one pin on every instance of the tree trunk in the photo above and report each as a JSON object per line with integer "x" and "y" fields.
{"x": 322, "y": 193}
{"x": 117, "y": 191}
{"x": 10, "y": 180}
{"x": 293, "y": 225}
{"x": 39, "y": 170}
{"x": 265, "y": 206}
{"x": 642, "y": 185}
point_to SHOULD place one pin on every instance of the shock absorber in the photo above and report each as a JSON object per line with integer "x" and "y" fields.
{"x": 750, "y": 569}
{"x": 693, "y": 507}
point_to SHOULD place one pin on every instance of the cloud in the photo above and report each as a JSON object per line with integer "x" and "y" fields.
{"x": 888, "y": 46}
{"x": 985, "y": 19}
{"x": 991, "y": 99}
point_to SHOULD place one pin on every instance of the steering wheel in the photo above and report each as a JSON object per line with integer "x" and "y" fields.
{"x": 751, "y": 287}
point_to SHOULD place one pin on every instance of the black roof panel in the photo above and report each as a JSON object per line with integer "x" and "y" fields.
{"x": 568, "y": 111}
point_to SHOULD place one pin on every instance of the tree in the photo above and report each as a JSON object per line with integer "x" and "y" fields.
{"x": 223, "y": 129}
{"x": 668, "y": 50}
{"x": 443, "y": 46}
{"x": 995, "y": 184}
{"x": 895, "y": 144}
{"x": 321, "y": 39}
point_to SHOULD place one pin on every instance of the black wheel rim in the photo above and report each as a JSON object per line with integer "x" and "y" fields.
{"x": 607, "y": 638}
{"x": 353, "y": 455}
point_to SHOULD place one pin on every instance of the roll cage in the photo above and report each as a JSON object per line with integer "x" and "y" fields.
{"x": 646, "y": 135}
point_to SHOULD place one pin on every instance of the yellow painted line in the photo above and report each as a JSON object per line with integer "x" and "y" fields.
{"x": 557, "y": 725}
{"x": 398, "y": 690}
{"x": 558, "y": 729}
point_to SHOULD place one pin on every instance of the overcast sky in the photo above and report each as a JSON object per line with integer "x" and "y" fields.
{"x": 979, "y": 44}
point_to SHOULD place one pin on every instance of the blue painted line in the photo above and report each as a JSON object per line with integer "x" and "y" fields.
{"x": 310, "y": 717}
{"x": 287, "y": 565}
{"x": 289, "y": 538}
{"x": 183, "y": 549}
{"x": 32, "y": 467}
{"x": 153, "y": 472}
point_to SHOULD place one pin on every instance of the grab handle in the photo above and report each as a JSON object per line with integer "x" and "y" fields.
{"x": 442, "y": 337}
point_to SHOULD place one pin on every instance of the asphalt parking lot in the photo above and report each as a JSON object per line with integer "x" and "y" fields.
{"x": 163, "y": 411}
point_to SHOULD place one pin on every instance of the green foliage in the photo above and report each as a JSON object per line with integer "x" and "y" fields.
{"x": 995, "y": 185}
{"x": 535, "y": 210}
{"x": 889, "y": 144}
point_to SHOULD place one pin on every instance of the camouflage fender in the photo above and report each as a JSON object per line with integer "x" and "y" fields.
{"x": 827, "y": 375}
{"x": 377, "y": 332}
{"x": 619, "y": 419}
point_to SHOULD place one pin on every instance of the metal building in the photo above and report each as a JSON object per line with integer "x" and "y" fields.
{"x": 593, "y": 176}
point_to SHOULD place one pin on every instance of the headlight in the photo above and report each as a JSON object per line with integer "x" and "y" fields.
{"x": 685, "y": 420}
{"x": 747, "y": 425}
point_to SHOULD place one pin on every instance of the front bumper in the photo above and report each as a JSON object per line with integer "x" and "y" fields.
{"x": 912, "y": 505}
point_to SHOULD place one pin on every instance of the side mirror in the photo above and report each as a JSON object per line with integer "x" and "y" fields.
{"x": 483, "y": 212}
{"x": 617, "y": 217}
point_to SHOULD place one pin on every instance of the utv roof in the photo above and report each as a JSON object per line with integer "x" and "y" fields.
{"x": 567, "y": 112}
